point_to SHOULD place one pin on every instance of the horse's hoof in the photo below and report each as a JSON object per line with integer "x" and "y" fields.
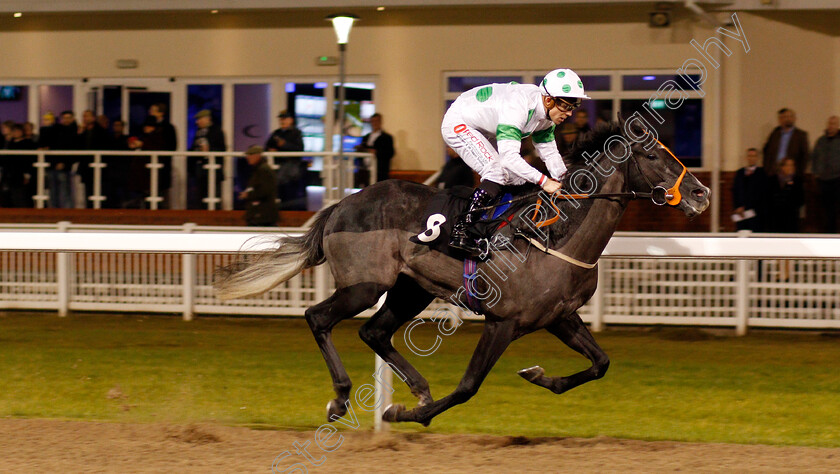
{"x": 391, "y": 412}
{"x": 335, "y": 411}
{"x": 532, "y": 373}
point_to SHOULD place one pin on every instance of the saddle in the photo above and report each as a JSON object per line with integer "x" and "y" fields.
{"x": 445, "y": 206}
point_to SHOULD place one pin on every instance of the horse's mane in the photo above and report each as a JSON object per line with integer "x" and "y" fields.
{"x": 592, "y": 142}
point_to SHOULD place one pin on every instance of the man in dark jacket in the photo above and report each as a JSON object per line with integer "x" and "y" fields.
{"x": 826, "y": 162}
{"x": 261, "y": 193}
{"x": 786, "y": 141}
{"x": 381, "y": 144}
{"x": 208, "y": 137}
{"x": 749, "y": 192}
{"x": 292, "y": 174}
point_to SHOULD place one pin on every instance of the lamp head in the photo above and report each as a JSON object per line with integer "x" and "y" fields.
{"x": 342, "y": 22}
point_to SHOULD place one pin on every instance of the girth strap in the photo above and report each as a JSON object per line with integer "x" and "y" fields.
{"x": 561, "y": 256}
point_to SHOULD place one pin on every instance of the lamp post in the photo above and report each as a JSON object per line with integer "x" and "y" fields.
{"x": 342, "y": 23}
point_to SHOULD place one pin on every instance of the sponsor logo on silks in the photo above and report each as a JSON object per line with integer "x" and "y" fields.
{"x": 465, "y": 133}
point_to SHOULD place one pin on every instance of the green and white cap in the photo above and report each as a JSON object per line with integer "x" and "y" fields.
{"x": 564, "y": 83}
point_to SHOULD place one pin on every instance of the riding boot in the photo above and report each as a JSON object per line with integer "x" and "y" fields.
{"x": 483, "y": 196}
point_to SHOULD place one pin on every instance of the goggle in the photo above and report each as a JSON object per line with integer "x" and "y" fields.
{"x": 566, "y": 106}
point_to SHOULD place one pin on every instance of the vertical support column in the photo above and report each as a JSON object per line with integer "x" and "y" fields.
{"x": 41, "y": 195}
{"x": 742, "y": 293}
{"x": 96, "y": 196}
{"x": 154, "y": 187}
{"x": 188, "y": 278}
{"x": 598, "y": 299}
{"x": 320, "y": 283}
{"x": 64, "y": 271}
{"x": 227, "y": 183}
{"x": 212, "y": 168}
{"x": 383, "y": 385}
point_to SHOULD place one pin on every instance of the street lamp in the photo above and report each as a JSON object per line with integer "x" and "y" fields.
{"x": 342, "y": 23}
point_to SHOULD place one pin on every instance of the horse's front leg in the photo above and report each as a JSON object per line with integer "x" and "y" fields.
{"x": 343, "y": 304}
{"x": 496, "y": 337}
{"x": 576, "y": 335}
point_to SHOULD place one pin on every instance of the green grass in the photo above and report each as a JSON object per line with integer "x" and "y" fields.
{"x": 773, "y": 388}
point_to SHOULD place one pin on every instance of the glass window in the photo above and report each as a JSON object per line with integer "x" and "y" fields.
{"x": 682, "y": 131}
{"x": 14, "y": 103}
{"x": 651, "y": 82}
{"x": 199, "y": 97}
{"x": 465, "y": 83}
{"x": 596, "y": 83}
{"x": 252, "y": 122}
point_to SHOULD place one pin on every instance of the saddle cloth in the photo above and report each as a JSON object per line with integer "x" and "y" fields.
{"x": 443, "y": 210}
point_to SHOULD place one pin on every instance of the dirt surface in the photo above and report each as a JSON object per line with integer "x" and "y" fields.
{"x": 70, "y": 446}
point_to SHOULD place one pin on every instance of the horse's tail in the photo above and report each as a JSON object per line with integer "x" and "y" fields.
{"x": 269, "y": 269}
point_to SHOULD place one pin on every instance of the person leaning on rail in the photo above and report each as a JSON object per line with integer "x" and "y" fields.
{"x": 509, "y": 112}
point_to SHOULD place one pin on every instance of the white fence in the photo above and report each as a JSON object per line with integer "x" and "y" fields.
{"x": 684, "y": 279}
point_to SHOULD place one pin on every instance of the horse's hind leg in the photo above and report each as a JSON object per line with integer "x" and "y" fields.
{"x": 343, "y": 304}
{"x": 404, "y": 301}
{"x": 575, "y": 334}
{"x": 496, "y": 337}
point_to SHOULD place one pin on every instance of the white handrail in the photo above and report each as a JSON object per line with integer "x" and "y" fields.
{"x": 335, "y": 176}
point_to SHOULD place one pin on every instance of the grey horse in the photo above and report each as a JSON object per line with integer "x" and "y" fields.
{"x": 365, "y": 241}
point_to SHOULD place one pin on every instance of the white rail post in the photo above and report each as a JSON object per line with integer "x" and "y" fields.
{"x": 64, "y": 270}
{"x": 188, "y": 277}
{"x": 227, "y": 182}
{"x": 41, "y": 195}
{"x": 383, "y": 385}
{"x": 742, "y": 310}
{"x": 212, "y": 168}
{"x": 154, "y": 179}
{"x": 598, "y": 300}
{"x": 96, "y": 193}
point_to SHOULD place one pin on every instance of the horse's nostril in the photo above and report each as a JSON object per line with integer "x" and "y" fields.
{"x": 699, "y": 193}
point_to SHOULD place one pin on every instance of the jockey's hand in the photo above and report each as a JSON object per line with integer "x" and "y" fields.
{"x": 551, "y": 186}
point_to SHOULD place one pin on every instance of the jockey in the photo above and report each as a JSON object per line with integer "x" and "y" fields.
{"x": 509, "y": 113}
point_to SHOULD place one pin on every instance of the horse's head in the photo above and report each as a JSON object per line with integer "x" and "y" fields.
{"x": 653, "y": 168}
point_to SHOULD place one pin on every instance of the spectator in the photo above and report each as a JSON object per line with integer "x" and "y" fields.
{"x": 116, "y": 175}
{"x": 168, "y": 141}
{"x": 15, "y": 187}
{"x": 92, "y": 136}
{"x": 455, "y": 172}
{"x": 748, "y": 194}
{"x": 66, "y": 138}
{"x": 6, "y": 131}
{"x": 581, "y": 120}
{"x": 260, "y": 195}
{"x": 29, "y": 131}
{"x": 786, "y": 197}
{"x": 786, "y": 141}
{"x": 208, "y": 137}
{"x": 566, "y": 136}
{"x": 286, "y": 138}
{"x": 46, "y": 139}
{"x": 292, "y": 174}
{"x": 826, "y": 165}
{"x": 381, "y": 144}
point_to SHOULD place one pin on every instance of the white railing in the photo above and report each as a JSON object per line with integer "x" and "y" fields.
{"x": 336, "y": 173}
{"x": 686, "y": 279}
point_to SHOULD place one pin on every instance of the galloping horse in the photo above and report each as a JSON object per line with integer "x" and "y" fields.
{"x": 365, "y": 240}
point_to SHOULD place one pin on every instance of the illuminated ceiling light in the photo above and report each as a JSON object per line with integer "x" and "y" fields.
{"x": 380, "y": 9}
{"x": 18, "y": 14}
{"x": 213, "y": 12}
{"x": 648, "y": 78}
{"x": 342, "y": 24}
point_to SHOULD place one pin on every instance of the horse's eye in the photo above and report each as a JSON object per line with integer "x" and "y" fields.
{"x": 651, "y": 156}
